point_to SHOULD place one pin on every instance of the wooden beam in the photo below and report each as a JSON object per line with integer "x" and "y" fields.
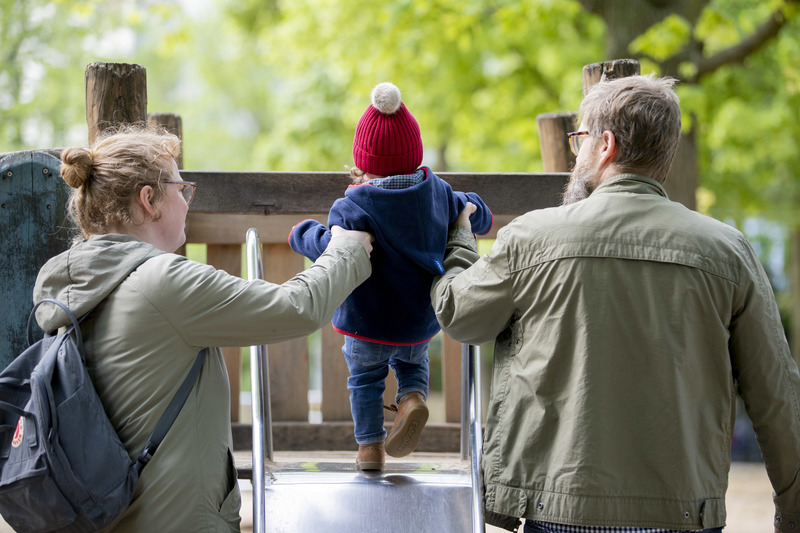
{"x": 302, "y": 436}
{"x": 283, "y": 193}
{"x": 212, "y": 228}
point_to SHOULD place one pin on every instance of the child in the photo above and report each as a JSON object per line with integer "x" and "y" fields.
{"x": 388, "y": 320}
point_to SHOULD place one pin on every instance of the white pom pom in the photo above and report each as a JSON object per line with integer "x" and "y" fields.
{"x": 386, "y": 98}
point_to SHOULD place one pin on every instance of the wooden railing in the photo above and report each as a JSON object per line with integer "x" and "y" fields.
{"x": 228, "y": 203}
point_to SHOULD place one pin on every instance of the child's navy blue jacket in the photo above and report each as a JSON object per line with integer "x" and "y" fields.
{"x": 410, "y": 226}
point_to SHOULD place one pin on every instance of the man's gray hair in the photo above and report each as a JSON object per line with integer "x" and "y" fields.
{"x": 643, "y": 113}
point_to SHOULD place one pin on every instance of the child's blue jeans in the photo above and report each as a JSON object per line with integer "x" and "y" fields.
{"x": 369, "y": 364}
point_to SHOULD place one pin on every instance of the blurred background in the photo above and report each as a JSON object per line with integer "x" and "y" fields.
{"x": 280, "y": 85}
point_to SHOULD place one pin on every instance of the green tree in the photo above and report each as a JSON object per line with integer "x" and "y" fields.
{"x": 44, "y": 49}
{"x": 475, "y": 74}
{"x": 738, "y": 63}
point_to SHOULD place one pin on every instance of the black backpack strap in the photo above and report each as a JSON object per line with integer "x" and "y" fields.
{"x": 171, "y": 412}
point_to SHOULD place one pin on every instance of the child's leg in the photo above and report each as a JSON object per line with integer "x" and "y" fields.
{"x": 410, "y": 364}
{"x": 368, "y": 370}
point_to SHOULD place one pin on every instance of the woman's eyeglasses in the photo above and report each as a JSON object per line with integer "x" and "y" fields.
{"x": 187, "y": 189}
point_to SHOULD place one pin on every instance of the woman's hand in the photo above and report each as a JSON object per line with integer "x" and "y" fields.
{"x": 366, "y": 239}
{"x": 463, "y": 218}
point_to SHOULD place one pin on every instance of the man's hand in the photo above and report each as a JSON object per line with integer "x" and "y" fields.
{"x": 463, "y": 218}
{"x": 366, "y": 239}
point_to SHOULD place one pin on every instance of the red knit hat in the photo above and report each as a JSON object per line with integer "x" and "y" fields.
{"x": 387, "y": 140}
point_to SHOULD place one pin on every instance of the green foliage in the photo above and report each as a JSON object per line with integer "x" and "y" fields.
{"x": 664, "y": 39}
{"x": 749, "y": 132}
{"x": 280, "y": 85}
{"x": 44, "y": 46}
{"x": 475, "y": 75}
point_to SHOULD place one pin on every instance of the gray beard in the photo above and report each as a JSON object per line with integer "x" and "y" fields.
{"x": 580, "y": 186}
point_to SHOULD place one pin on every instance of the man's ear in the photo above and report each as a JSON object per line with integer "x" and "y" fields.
{"x": 145, "y": 199}
{"x": 608, "y": 149}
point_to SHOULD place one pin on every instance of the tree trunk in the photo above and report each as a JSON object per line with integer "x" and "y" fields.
{"x": 626, "y": 21}
{"x": 682, "y": 178}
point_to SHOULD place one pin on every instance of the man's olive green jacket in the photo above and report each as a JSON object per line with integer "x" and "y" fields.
{"x": 624, "y": 326}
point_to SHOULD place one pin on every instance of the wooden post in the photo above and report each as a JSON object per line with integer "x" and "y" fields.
{"x": 116, "y": 93}
{"x": 608, "y": 70}
{"x": 173, "y": 124}
{"x": 553, "y": 129}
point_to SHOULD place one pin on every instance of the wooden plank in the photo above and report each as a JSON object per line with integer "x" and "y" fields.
{"x": 451, "y": 379}
{"x": 288, "y": 361}
{"x": 228, "y": 257}
{"x": 213, "y": 228}
{"x": 276, "y": 193}
{"x": 300, "y": 436}
{"x": 335, "y": 396}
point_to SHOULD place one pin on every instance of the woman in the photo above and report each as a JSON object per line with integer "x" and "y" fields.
{"x": 152, "y": 311}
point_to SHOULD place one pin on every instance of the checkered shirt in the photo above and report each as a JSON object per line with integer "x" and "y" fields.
{"x": 563, "y": 528}
{"x": 401, "y": 181}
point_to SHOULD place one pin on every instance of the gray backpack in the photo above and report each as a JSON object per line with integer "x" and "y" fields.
{"x": 62, "y": 465}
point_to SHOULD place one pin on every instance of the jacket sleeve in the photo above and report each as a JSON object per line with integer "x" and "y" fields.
{"x": 309, "y": 238}
{"x": 769, "y": 383}
{"x": 473, "y": 300}
{"x": 208, "y": 307}
{"x": 481, "y": 220}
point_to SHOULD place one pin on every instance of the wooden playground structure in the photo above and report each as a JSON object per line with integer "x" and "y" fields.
{"x": 229, "y": 203}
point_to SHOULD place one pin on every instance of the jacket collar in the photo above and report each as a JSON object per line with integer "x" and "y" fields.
{"x": 634, "y": 183}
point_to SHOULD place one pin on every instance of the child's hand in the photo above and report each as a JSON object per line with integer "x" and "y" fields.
{"x": 363, "y": 237}
{"x": 463, "y": 218}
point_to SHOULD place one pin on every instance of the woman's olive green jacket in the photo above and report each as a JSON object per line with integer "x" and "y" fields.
{"x": 151, "y": 312}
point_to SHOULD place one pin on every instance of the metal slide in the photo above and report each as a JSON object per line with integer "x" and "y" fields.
{"x": 408, "y": 497}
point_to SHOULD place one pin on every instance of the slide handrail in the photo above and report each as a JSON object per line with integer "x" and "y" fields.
{"x": 259, "y": 387}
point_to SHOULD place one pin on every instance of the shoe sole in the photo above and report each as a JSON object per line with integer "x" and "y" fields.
{"x": 405, "y": 438}
{"x": 369, "y": 466}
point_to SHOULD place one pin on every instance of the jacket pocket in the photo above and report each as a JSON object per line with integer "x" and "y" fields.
{"x": 509, "y": 342}
{"x": 232, "y": 504}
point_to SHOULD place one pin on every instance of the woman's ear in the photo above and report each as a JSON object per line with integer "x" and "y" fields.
{"x": 145, "y": 200}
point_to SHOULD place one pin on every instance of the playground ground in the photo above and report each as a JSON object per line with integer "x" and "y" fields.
{"x": 749, "y": 502}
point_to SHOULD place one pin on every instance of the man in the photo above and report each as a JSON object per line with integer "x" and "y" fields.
{"x": 624, "y": 326}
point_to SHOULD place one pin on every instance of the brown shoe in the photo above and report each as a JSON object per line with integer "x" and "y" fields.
{"x": 370, "y": 456}
{"x": 412, "y": 413}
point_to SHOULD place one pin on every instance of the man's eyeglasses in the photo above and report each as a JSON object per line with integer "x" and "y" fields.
{"x": 187, "y": 189}
{"x": 576, "y": 139}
